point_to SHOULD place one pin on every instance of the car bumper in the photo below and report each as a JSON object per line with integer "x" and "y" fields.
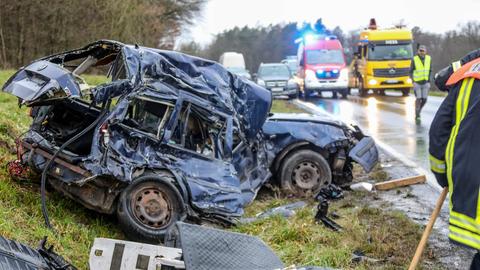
{"x": 284, "y": 92}
{"x": 326, "y": 84}
{"x": 365, "y": 153}
{"x": 388, "y": 83}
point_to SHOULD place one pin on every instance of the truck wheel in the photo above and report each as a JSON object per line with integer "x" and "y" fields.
{"x": 405, "y": 92}
{"x": 382, "y": 92}
{"x": 148, "y": 207}
{"x": 345, "y": 93}
{"x": 304, "y": 173}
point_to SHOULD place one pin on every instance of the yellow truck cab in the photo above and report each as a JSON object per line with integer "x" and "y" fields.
{"x": 382, "y": 60}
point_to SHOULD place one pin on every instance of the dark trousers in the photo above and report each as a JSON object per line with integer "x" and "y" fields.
{"x": 475, "y": 262}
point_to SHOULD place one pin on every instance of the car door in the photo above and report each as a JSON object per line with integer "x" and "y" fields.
{"x": 200, "y": 142}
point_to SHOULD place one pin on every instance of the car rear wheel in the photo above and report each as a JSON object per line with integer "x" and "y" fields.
{"x": 148, "y": 207}
{"x": 304, "y": 173}
{"x": 405, "y": 92}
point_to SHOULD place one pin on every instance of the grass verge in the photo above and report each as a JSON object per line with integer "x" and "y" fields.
{"x": 283, "y": 106}
{"x": 388, "y": 236}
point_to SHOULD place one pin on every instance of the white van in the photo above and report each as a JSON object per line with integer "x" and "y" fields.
{"x": 235, "y": 63}
{"x": 232, "y": 59}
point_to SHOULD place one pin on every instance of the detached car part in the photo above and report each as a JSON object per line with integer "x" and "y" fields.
{"x": 17, "y": 256}
{"x": 177, "y": 138}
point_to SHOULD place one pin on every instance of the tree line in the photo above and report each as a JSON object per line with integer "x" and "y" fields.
{"x": 33, "y": 28}
{"x": 272, "y": 43}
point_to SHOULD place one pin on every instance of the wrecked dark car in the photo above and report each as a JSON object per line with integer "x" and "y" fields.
{"x": 170, "y": 137}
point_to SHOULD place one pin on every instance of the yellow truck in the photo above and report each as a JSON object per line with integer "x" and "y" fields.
{"x": 382, "y": 60}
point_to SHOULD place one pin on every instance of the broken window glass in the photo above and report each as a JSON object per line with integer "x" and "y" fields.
{"x": 148, "y": 116}
{"x": 200, "y": 131}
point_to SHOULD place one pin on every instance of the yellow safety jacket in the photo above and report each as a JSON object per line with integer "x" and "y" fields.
{"x": 422, "y": 70}
{"x": 455, "y": 152}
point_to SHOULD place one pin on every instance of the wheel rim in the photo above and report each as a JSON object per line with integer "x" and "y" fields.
{"x": 306, "y": 176}
{"x": 152, "y": 207}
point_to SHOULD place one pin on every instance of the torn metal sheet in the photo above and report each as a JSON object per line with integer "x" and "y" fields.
{"x": 15, "y": 255}
{"x": 178, "y": 134}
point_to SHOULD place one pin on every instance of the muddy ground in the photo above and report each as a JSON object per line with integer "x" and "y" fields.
{"x": 417, "y": 202}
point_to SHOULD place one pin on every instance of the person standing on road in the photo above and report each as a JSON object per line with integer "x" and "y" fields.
{"x": 420, "y": 71}
{"x": 454, "y": 149}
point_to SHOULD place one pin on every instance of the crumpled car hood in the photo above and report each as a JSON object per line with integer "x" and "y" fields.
{"x": 305, "y": 117}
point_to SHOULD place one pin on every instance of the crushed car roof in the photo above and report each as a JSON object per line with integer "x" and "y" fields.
{"x": 167, "y": 73}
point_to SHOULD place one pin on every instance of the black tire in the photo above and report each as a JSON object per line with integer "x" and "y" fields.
{"x": 345, "y": 93}
{"x": 334, "y": 94}
{"x": 405, "y": 92}
{"x": 135, "y": 215}
{"x": 382, "y": 92}
{"x": 310, "y": 163}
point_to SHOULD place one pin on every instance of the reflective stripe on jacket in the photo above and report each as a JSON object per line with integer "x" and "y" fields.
{"x": 422, "y": 70}
{"x": 455, "y": 154}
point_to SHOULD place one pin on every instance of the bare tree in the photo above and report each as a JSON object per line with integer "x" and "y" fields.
{"x": 33, "y": 28}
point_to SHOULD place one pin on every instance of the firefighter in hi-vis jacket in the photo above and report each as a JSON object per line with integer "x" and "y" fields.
{"x": 455, "y": 149}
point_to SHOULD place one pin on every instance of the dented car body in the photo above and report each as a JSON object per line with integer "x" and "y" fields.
{"x": 170, "y": 137}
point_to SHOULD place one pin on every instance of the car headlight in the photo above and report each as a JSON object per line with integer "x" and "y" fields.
{"x": 409, "y": 80}
{"x": 372, "y": 82}
{"x": 261, "y": 82}
{"x": 310, "y": 74}
{"x": 344, "y": 74}
{"x": 292, "y": 83}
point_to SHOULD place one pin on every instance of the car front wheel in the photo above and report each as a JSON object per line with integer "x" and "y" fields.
{"x": 304, "y": 173}
{"x": 147, "y": 208}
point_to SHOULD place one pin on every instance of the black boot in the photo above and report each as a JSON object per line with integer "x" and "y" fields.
{"x": 424, "y": 101}
{"x": 418, "y": 108}
{"x": 475, "y": 262}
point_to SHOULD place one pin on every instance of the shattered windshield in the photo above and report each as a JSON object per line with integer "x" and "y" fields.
{"x": 95, "y": 66}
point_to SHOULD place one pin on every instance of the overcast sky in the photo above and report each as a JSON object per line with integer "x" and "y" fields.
{"x": 436, "y": 16}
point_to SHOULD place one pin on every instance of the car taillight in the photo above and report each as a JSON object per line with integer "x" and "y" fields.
{"x": 105, "y": 134}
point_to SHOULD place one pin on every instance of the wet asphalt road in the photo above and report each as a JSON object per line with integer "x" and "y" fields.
{"x": 390, "y": 119}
